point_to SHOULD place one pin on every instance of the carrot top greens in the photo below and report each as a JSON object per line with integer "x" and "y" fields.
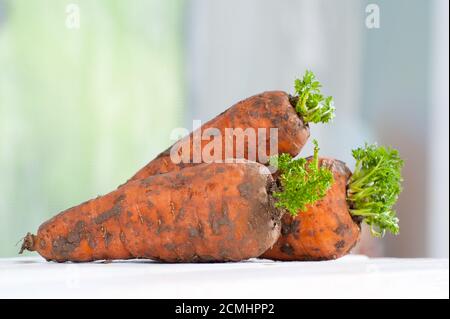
{"x": 311, "y": 104}
{"x": 374, "y": 187}
{"x": 302, "y": 182}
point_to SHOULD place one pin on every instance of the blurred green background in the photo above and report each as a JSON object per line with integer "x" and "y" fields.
{"x": 81, "y": 109}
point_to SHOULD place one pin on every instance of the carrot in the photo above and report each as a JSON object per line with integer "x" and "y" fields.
{"x": 291, "y": 115}
{"x": 207, "y": 213}
{"x": 330, "y": 228}
{"x": 325, "y": 230}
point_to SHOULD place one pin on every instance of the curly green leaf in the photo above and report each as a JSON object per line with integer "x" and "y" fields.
{"x": 311, "y": 105}
{"x": 375, "y": 186}
{"x": 303, "y": 182}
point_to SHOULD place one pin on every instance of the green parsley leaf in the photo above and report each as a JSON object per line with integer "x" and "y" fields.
{"x": 311, "y": 105}
{"x": 303, "y": 182}
{"x": 375, "y": 186}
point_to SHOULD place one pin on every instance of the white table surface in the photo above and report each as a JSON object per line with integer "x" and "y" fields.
{"x": 348, "y": 277}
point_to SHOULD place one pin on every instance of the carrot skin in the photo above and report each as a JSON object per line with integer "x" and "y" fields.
{"x": 271, "y": 109}
{"x": 326, "y": 230}
{"x": 207, "y": 213}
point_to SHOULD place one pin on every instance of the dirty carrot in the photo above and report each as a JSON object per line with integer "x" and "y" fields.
{"x": 212, "y": 212}
{"x": 330, "y": 228}
{"x": 289, "y": 114}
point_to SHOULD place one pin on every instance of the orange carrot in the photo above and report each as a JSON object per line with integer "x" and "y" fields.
{"x": 207, "y": 213}
{"x": 330, "y": 227}
{"x": 291, "y": 115}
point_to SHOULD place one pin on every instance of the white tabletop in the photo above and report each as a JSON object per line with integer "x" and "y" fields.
{"x": 348, "y": 277}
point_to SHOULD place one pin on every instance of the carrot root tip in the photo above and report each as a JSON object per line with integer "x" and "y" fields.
{"x": 28, "y": 243}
